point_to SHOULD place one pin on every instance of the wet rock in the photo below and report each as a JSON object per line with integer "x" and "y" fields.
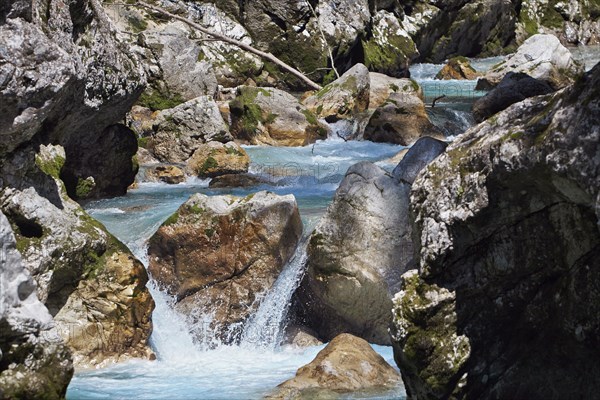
{"x": 236, "y": 180}
{"x": 180, "y": 131}
{"x": 35, "y": 361}
{"x": 88, "y": 280}
{"x": 401, "y": 120}
{"x": 301, "y": 336}
{"x": 542, "y": 57}
{"x": 273, "y": 117}
{"x": 347, "y": 364}
{"x": 165, "y": 173}
{"x": 457, "y": 68}
{"x": 507, "y": 227}
{"x": 215, "y": 158}
{"x": 344, "y": 97}
{"x": 218, "y": 254}
{"x": 513, "y": 88}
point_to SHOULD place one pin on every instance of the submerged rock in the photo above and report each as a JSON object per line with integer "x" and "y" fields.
{"x": 542, "y": 57}
{"x": 346, "y": 364}
{"x": 507, "y": 226}
{"x": 91, "y": 284}
{"x": 35, "y": 361}
{"x": 218, "y": 254}
{"x": 344, "y": 97}
{"x": 237, "y": 180}
{"x": 273, "y": 117}
{"x": 215, "y": 158}
{"x": 457, "y": 68}
{"x": 513, "y": 88}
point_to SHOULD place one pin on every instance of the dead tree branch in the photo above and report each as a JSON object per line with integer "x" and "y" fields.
{"x": 267, "y": 56}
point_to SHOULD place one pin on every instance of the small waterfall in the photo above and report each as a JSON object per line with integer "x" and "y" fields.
{"x": 266, "y": 327}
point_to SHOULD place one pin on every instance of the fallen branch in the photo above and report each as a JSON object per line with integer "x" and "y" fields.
{"x": 243, "y": 46}
{"x": 436, "y": 99}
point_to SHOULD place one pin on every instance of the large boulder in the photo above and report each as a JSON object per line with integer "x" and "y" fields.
{"x": 382, "y": 86}
{"x": 542, "y": 57}
{"x": 217, "y": 255}
{"x": 347, "y": 364}
{"x": 65, "y": 79}
{"x": 91, "y": 284}
{"x": 179, "y": 131}
{"x": 215, "y": 158}
{"x": 401, "y": 119}
{"x": 356, "y": 255}
{"x": 35, "y": 361}
{"x": 513, "y": 88}
{"x": 508, "y": 230}
{"x": 273, "y": 117}
{"x": 344, "y": 97}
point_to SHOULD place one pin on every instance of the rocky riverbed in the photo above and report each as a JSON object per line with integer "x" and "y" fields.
{"x": 185, "y": 219}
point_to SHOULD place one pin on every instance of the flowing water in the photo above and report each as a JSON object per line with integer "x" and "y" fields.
{"x": 186, "y": 369}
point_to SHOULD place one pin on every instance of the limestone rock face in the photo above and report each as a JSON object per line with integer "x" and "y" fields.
{"x": 64, "y": 76}
{"x": 346, "y": 364}
{"x": 542, "y": 57}
{"x": 174, "y": 65}
{"x": 513, "y": 88}
{"x": 215, "y": 158}
{"x": 508, "y": 239}
{"x": 344, "y": 97}
{"x": 218, "y": 254}
{"x": 457, "y": 68}
{"x": 356, "y": 255}
{"x": 273, "y": 117}
{"x": 179, "y": 131}
{"x": 87, "y": 279}
{"x": 35, "y": 361}
{"x": 401, "y": 119}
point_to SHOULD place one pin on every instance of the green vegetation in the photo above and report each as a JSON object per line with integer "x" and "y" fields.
{"x": 156, "y": 101}
{"x": 172, "y": 220}
{"x": 84, "y": 187}
{"x": 50, "y": 167}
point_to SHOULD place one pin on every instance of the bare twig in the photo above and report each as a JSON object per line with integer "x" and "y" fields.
{"x": 341, "y": 137}
{"x": 243, "y": 46}
{"x": 436, "y": 99}
{"x": 312, "y": 9}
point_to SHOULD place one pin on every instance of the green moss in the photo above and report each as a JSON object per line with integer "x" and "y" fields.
{"x": 233, "y": 151}
{"x": 270, "y": 118}
{"x": 310, "y": 117}
{"x": 388, "y": 58}
{"x": 172, "y": 220}
{"x": 51, "y": 167}
{"x": 143, "y": 142}
{"x": 209, "y": 232}
{"x": 248, "y": 198}
{"x": 394, "y": 88}
{"x": 415, "y": 85}
{"x": 209, "y": 163}
{"x": 201, "y": 56}
{"x": 155, "y": 100}
{"x": 137, "y": 23}
{"x": 84, "y": 187}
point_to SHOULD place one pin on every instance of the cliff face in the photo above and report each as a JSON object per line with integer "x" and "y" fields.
{"x": 507, "y": 231}
{"x": 65, "y": 83}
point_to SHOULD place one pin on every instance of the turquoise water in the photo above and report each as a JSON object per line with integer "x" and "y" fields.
{"x": 185, "y": 369}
